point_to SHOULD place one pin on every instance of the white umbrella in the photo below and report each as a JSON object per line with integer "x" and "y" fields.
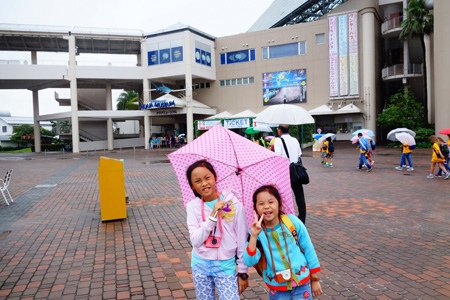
{"x": 355, "y": 138}
{"x": 391, "y": 134}
{"x": 325, "y": 136}
{"x": 405, "y": 138}
{"x": 285, "y": 114}
{"x": 263, "y": 128}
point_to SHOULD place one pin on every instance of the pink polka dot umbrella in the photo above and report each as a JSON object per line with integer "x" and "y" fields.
{"x": 241, "y": 166}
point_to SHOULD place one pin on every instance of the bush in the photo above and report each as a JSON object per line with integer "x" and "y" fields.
{"x": 423, "y": 137}
{"x": 10, "y": 148}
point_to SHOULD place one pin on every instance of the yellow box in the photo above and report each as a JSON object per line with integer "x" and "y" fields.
{"x": 111, "y": 183}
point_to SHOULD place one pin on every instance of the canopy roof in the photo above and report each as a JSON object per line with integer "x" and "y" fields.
{"x": 243, "y": 114}
{"x": 222, "y": 115}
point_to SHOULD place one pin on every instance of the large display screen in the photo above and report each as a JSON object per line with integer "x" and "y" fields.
{"x": 284, "y": 86}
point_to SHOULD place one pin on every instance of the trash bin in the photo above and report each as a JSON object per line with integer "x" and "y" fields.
{"x": 111, "y": 182}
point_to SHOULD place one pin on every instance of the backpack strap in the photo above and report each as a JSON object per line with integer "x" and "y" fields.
{"x": 288, "y": 223}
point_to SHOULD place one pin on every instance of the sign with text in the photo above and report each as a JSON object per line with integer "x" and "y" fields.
{"x": 205, "y": 125}
{"x": 236, "y": 123}
{"x": 158, "y": 104}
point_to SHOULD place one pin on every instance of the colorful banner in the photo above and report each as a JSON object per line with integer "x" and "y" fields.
{"x": 284, "y": 87}
{"x": 164, "y": 56}
{"x": 333, "y": 54}
{"x": 353, "y": 53}
{"x": 343, "y": 55}
{"x": 152, "y": 57}
{"x": 205, "y": 125}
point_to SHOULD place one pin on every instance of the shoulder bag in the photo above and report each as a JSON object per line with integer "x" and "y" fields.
{"x": 297, "y": 170}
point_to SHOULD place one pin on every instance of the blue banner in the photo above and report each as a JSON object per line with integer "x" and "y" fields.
{"x": 158, "y": 104}
{"x": 177, "y": 54}
{"x": 198, "y": 58}
{"x": 237, "y": 57}
{"x": 164, "y": 56}
{"x": 203, "y": 57}
{"x": 152, "y": 57}
{"x": 208, "y": 58}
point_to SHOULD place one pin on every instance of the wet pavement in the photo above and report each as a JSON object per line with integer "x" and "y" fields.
{"x": 378, "y": 235}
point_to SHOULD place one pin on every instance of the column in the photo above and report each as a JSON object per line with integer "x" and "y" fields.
{"x": 405, "y": 48}
{"x": 147, "y": 130}
{"x": 34, "y": 57}
{"x": 369, "y": 68}
{"x": 109, "y": 122}
{"x": 37, "y": 131}
{"x": 188, "y": 86}
{"x": 71, "y": 75}
{"x": 429, "y": 78}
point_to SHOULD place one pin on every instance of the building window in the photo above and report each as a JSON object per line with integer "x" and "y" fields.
{"x": 237, "y": 81}
{"x": 237, "y": 56}
{"x": 4, "y": 129}
{"x": 285, "y": 50}
{"x": 203, "y": 85}
{"x": 320, "y": 38}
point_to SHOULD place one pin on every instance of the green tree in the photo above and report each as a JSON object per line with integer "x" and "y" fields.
{"x": 128, "y": 100}
{"x": 403, "y": 110}
{"x": 24, "y": 134}
{"x": 418, "y": 23}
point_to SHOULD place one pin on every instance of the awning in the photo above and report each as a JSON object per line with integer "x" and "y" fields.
{"x": 349, "y": 109}
{"x": 321, "y": 110}
{"x": 222, "y": 115}
{"x": 243, "y": 114}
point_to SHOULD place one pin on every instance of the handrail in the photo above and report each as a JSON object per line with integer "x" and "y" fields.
{"x": 398, "y": 70}
{"x": 392, "y": 23}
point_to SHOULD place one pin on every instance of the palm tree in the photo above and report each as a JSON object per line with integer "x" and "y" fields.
{"x": 418, "y": 23}
{"x": 128, "y": 100}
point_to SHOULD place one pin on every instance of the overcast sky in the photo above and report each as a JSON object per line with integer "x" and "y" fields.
{"x": 218, "y": 18}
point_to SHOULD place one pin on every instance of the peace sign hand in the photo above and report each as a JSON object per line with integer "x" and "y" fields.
{"x": 256, "y": 226}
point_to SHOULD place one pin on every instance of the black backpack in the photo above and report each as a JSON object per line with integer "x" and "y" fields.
{"x": 444, "y": 150}
{"x": 330, "y": 147}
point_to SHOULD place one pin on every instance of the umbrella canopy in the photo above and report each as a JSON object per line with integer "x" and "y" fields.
{"x": 325, "y": 136}
{"x": 355, "y": 138}
{"x": 251, "y": 131}
{"x": 241, "y": 166}
{"x": 364, "y": 131}
{"x": 318, "y": 136}
{"x": 391, "y": 134}
{"x": 269, "y": 137}
{"x": 263, "y": 128}
{"x": 285, "y": 114}
{"x": 445, "y": 131}
{"x": 405, "y": 138}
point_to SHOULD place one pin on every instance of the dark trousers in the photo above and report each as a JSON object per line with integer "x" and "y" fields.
{"x": 300, "y": 200}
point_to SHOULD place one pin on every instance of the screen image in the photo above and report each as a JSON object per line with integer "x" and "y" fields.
{"x": 284, "y": 85}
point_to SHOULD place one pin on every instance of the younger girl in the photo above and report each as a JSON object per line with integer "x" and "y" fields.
{"x": 218, "y": 232}
{"x": 437, "y": 158}
{"x": 290, "y": 266}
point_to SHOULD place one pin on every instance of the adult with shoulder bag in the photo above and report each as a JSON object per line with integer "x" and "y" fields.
{"x": 289, "y": 147}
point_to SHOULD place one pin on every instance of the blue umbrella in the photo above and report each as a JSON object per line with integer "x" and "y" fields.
{"x": 364, "y": 132}
{"x": 318, "y": 136}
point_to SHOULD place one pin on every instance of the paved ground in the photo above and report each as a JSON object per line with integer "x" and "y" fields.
{"x": 379, "y": 235}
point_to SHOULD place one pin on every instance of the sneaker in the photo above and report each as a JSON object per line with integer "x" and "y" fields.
{"x": 358, "y": 168}
{"x": 438, "y": 175}
{"x": 404, "y": 166}
{"x": 430, "y": 176}
{"x": 447, "y": 175}
{"x": 410, "y": 169}
{"x": 398, "y": 168}
{"x": 369, "y": 170}
{"x": 331, "y": 166}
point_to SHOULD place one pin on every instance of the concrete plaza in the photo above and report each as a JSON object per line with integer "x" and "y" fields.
{"x": 379, "y": 235}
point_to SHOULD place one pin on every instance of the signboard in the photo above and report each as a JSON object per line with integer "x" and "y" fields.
{"x": 236, "y": 123}
{"x": 284, "y": 86}
{"x": 158, "y": 104}
{"x": 333, "y": 53}
{"x": 205, "y": 125}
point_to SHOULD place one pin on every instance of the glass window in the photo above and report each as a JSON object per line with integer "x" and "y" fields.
{"x": 302, "y": 48}
{"x": 320, "y": 38}
{"x": 4, "y": 129}
{"x": 265, "y": 52}
{"x": 222, "y": 83}
{"x": 207, "y": 85}
{"x": 245, "y": 80}
{"x": 233, "y": 81}
{"x": 239, "y": 81}
{"x": 202, "y": 85}
{"x": 228, "y": 82}
{"x": 251, "y": 80}
{"x": 284, "y": 50}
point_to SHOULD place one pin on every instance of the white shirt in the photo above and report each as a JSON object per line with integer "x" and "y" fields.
{"x": 292, "y": 145}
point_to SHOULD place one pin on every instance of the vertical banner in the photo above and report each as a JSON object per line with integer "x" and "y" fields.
{"x": 343, "y": 55}
{"x": 353, "y": 53}
{"x": 333, "y": 56}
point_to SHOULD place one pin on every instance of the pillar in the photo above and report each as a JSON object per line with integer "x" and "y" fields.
{"x": 429, "y": 78}
{"x": 147, "y": 130}
{"x": 71, "y": 75}
{"x": 369, "y": 68}
{"x": 188, "y": 86}
{"x": 34, "y": 57}
{"x": 37, "y": 127}
{"x": 109, "y": 122}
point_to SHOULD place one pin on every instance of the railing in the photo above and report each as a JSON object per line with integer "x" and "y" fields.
{"x": 397, "y": 71}
{"x": 390, "y": 24}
